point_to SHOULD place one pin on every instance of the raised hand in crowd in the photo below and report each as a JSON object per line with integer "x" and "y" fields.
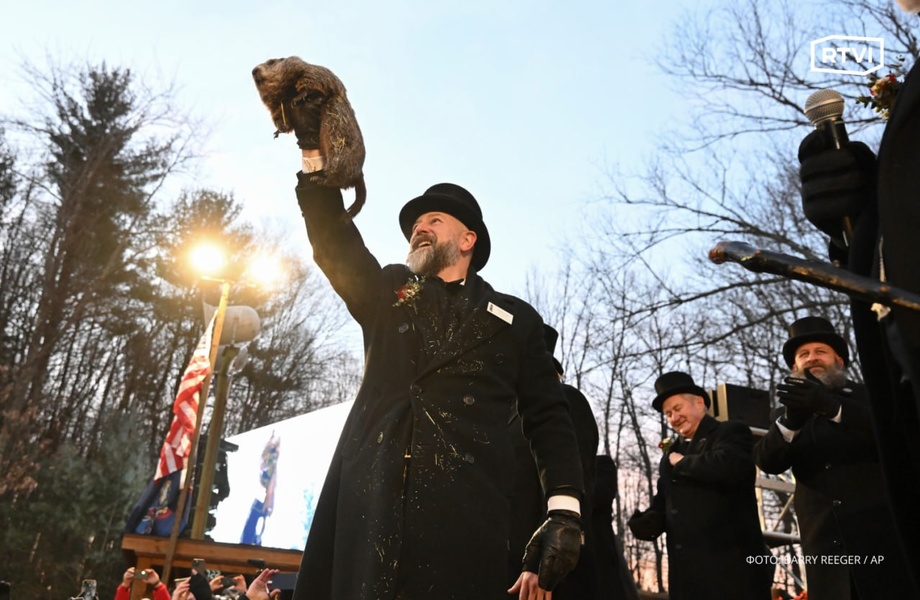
{"x": 182, "y": 590}
{"x": 143, "y": 577}
{"x": 258, "y": 589}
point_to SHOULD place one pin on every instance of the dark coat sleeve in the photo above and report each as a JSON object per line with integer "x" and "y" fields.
{"x": 772, "y": 453}
{"x": 728, "y": 461}
{"x": 545, "y": 418}
{"x": 586, "y": 431}
{"x": 338, "y": 248}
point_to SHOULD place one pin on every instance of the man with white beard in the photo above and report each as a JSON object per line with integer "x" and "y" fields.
{"x": 825, "y": 436}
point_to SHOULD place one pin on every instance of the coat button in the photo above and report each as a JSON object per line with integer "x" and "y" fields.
{"x": 499, "y": 358}
{"x": 836, "y": 503}
{"x": 416, "y": 390}
{"x": 469, "y": 400}
{"x": 403, "y": 327}
{"x": 678, "y": 546}
{"x": 827, "y": 467}
{"x": 380, "y": 438}
{"x": 469, "y": 458}
{"x": 673, "y": 511}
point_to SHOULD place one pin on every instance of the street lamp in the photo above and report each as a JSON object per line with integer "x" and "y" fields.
{"x": 243, "y": 327}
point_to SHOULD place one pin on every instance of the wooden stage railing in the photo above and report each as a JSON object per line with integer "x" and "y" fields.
{"x": 150, "y": 551}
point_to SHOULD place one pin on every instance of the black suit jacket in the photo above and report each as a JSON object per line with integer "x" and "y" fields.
{"x": 418, "y": 490}
{"x": 706, "y": 505}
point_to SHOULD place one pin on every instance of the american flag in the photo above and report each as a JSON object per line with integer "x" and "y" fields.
{"x": 175, "y": 450}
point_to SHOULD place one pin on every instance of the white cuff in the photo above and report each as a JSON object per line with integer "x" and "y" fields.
{"x": 788, "y": 434}
{"x": 311, "y": 164}
{"x": 563, "y": 502}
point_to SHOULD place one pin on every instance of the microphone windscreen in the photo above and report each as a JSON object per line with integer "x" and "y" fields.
{"x": 823, "y": 105}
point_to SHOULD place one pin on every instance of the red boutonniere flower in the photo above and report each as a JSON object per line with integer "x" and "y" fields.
{"x": 883, "y": 91}
{"x": 666, "y": 444}
{"x": 408, "y": 293}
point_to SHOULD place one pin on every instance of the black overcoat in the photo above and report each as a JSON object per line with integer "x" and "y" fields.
{"x": 416, "y": 498}
{"x": 706, "y": 505}
{"x": 894, "y": 214}
{"x": 840, "y": 501}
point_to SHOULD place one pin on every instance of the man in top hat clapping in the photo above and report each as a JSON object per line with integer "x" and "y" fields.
{"x": 415, "y": 503}
{"x": 825, "y": 435}
{"x": 705, "y": 501}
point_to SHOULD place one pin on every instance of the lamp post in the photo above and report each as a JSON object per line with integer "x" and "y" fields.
{"x": 193, "y": 450}
{"x": 245, "y": 328}
{"x": 217, "y": 419}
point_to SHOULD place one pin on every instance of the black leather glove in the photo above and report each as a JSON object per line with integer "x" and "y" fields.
{"x": 808, "y": 394}
{"x": 837, "y": 184}
{"x": 304, "y": 117}
{"x": 553, "y": 550}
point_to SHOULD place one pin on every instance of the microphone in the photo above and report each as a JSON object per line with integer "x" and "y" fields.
{"x": 824, "y": 109}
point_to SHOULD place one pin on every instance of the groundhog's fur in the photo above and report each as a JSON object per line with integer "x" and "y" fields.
{"x": 292, "y": 89}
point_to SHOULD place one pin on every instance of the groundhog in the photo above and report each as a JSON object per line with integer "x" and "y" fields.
{"x": 310, "y": 101}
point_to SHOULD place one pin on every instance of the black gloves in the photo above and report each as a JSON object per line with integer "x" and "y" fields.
{"x": 806, "y": 396}
{"x": 837, "y": 184}
{"x": 646, "y": 525}
{"x": 553, "y": 550}
{"x": 795, "y": 418}
{"x": 305, "y": 118}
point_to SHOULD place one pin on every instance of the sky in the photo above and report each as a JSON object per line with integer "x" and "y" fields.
{"x": 527, "y": 104}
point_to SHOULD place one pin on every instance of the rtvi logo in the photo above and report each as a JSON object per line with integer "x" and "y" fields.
{"x": 847, "y": 54}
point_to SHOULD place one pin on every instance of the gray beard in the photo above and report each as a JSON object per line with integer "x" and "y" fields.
{"x": 431, "y": 260}
{"x": 833, "y": 377}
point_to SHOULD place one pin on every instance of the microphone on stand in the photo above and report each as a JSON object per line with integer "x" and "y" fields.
{"x": 824, "y": 109}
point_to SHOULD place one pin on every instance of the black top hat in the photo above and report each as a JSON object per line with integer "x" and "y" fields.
{"x": 814, "y": 329}
{"x": 550, "y": 336}
{"x": 673, "y": 383}
{"x": 457, "y": 202}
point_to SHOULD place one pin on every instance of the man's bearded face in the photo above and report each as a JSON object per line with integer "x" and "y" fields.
{"x": 428, "y": 256}
{"x": 822, "y": 361}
